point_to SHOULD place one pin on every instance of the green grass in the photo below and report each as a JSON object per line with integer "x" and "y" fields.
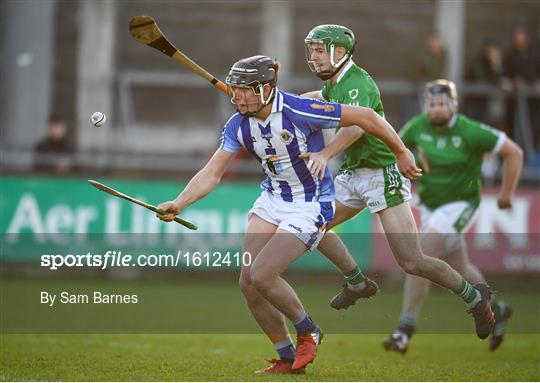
{"x": 235, "y": 357}
{"x": 208, "y": 306}
{"x": 454, "y": 353}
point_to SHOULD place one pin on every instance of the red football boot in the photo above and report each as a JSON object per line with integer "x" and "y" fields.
{"x": 280, "y": 367}
{"x": 306, "y": 348}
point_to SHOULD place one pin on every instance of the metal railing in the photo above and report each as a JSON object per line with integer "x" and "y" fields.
{"x": 193, "y": 158}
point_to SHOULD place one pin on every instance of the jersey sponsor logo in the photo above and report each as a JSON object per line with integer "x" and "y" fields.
{"x": 426, "y": 137}
{"x": 327, "y": 107}
{"x": 456, "y": 141}
{"x": 353, "y": 93}
{"x": 441, "y": 142}
{"x": 295, "y": 227}
{"x": 274, "y": 165}
{"x": 286, "y": 137}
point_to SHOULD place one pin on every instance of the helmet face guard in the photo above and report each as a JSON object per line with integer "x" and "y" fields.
{"x": 328, "y": 73}
{"x": 440, "y": 101}
{"x": 253, "y": 73}
{"x": 330, "y": 36}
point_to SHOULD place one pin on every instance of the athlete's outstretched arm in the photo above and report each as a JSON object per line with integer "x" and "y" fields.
{"x": 317, "y": 94}
{"x": 512, "y": 164}
{"x": 377, "y": 126}
{"x": 199, "y": 186}
{"x": 344, "y": 138}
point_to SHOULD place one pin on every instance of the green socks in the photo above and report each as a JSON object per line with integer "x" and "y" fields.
{"x": 356, "y": 281}
{"x": 469, "y": 294}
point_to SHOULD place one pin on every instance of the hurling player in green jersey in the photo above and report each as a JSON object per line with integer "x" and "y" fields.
{"x": 450, "y": 148}
{"x": 371, "y": 177}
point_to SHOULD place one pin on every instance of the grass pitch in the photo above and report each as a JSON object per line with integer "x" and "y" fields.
{"x": 235, "y": 356}
{"x": 215, "y": 357}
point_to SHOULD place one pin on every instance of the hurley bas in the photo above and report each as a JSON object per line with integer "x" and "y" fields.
{"x": 96, "y": 297}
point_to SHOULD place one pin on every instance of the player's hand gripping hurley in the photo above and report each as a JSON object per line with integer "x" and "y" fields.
{"x": 145, "y": 30}
{"x": 118, "y": 194}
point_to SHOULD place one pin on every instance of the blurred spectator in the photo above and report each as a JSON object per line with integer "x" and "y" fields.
{"x": 429, "y": 66}
{"x": 432, "y": 63}
{"x": 520, "y": 61}
{"x": 53, "y": 153}
{"x": 488, "y": 68}
{"x": 521, "y": 66}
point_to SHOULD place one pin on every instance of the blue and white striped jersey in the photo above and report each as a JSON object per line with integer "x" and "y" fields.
{"x": 294, "y": 126}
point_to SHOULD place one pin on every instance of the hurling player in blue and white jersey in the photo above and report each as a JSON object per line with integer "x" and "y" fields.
{"x": 297, "y": 201}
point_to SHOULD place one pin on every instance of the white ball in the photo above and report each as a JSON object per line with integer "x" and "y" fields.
{"x": 98, "y": 119}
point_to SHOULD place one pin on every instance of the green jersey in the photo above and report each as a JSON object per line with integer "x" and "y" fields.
{"x": 453, "y": 155}
{"x": 354, "y": 86}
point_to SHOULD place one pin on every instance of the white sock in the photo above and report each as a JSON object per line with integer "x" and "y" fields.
{"x": 475, "y": 301}
{"x": 358, "y": 287}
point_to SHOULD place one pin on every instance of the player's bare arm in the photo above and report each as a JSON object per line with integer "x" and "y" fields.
{"x": 344, "y": 138}
{"x": 199, "y": 186}
{"x": 513, "y": 163}
{"x": 316, "y": 94}
{"x": 377, "y": 126}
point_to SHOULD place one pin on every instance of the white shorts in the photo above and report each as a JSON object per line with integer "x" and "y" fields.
{"x": 306, "y": 220}
{"x": 451, "y": 220}
{"x": 376, "y": 189}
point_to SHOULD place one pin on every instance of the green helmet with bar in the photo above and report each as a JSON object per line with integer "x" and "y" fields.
{"x": 332, "y": 36}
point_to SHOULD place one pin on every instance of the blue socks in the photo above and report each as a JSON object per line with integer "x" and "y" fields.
{"x": 285, "y": 349}
{"x": 304, "y": 324}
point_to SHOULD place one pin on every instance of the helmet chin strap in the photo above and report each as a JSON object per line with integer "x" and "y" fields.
{"x": 263, "y": 101}
{"x": 340, "y": 62}
{"x": 328, "y": 74}
{"x": 270, "y": 96}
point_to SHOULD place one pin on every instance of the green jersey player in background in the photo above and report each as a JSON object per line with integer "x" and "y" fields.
{"x": 450, "y": 149}
{"x": 370, "y": 178}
